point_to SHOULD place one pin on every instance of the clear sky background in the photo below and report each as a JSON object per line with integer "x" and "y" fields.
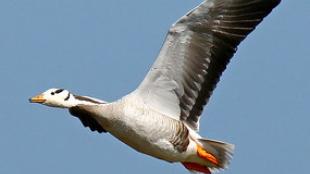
{"x": 104, "y": 49}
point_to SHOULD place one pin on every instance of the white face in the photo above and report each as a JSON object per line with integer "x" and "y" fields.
{"x": 55, "y": 97}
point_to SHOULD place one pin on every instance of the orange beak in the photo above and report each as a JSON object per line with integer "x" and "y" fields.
{"x": 37, "y": 99}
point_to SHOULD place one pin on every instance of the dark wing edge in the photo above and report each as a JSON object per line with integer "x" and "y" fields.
{"x": 228, "y": 22}
{"x": 86, "y": 119}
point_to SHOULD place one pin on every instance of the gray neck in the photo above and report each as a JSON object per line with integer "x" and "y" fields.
{"x": 87, "y": 100}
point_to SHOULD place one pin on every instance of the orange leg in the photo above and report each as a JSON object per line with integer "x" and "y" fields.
{"x": 197, "y": 167}
{"x": 202, "y": 153}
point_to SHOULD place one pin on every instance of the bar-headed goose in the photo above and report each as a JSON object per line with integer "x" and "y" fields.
{"x": 161, "y": 117}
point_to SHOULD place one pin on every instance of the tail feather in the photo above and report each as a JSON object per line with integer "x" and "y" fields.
{"x": 221, "y": 150}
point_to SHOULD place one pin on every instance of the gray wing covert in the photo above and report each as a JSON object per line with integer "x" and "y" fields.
{"x": 197, "y": 49}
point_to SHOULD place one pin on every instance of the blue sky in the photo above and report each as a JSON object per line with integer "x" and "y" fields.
{"x": 104, "y": 49}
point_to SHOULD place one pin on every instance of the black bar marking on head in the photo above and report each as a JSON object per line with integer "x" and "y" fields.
{"x": 68, "y": 97}
{"x": 59, "y": 91}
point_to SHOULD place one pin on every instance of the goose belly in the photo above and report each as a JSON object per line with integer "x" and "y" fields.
{"x": 146, "y": 132}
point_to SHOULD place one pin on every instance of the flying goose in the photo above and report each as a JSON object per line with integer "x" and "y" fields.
{"x": 161, "y": 117}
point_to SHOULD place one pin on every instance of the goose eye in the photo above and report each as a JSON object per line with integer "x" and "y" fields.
{"x": 53, "y": 93}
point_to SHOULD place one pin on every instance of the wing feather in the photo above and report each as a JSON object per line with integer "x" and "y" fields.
{"x": 197, "y": 49}
{"x": 86, "y": 119}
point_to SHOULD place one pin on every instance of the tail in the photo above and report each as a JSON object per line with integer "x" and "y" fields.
{"x": 220, "y": 150}
{"x": 214, "y": 155}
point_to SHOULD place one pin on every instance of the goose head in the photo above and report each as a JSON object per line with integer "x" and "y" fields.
{"x": 62, "y": 98}
{"x": 54, "y": 97}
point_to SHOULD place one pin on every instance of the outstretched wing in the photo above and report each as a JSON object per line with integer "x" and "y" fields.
{"x": 197, "y": 50}
{"x": 86, "y": 118}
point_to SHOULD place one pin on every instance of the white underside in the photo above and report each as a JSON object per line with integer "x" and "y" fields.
{"x": 145, "y": 130}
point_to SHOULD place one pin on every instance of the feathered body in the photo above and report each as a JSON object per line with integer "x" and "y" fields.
{"x": 144, "y": 129}
{"x": 161, "y": 117}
